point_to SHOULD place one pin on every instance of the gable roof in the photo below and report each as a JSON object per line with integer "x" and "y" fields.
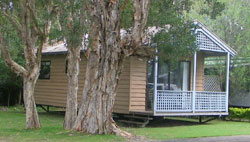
{"x": 208, "y": 41}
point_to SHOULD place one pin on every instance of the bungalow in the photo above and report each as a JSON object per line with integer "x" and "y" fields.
{"x": 147, "y": 86}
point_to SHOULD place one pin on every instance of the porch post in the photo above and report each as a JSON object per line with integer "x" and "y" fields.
{"x": 194, "y": 81}
{"x": 155, "y": 80}
{"x": 227, "y": 80}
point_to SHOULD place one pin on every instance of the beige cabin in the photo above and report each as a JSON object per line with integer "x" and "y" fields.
{"x": 146, "y": 86}
{"x": 131, "y": 89}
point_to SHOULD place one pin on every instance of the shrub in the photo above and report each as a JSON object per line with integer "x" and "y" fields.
{"x": 239, "y": 113}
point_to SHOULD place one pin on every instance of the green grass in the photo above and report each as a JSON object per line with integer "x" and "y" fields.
{"x": 12, "y": 129}
{"x": 194, "y": 130}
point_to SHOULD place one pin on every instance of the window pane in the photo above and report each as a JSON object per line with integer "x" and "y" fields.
{"x": 185, "y": 75}
{"x": 45, "y": 70}
{"x": 175, "y": 79}
{"x": 163, "y": 76}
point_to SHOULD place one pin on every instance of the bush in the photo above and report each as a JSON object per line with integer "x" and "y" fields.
{"x": 239, "y": 113}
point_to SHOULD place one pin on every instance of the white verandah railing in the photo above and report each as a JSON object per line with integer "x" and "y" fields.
{"x": 182, "y": 101}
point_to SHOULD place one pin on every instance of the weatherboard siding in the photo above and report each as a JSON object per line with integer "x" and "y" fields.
{"x": 138, "y": 69}
{"x": 53, "y": 91}
{"x": 199, "y": 72}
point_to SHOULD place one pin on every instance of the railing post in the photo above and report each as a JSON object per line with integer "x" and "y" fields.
{"x": 155, "y": 81}
{"x": 194, "y": 82}
{"x": 227, "y": 80}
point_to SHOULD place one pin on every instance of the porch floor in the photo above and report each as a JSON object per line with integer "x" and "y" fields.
{"x": 151, "y": 113}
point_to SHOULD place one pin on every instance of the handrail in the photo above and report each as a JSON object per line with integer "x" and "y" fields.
{"x": 172, "y": 91}
{"x": 182, "y": 101}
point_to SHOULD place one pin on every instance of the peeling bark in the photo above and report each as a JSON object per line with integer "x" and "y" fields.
{"x": 103, "y": 69}
{"x": 105, "y": 60}
{"x": 32, "y": 119}
{"x": 73, "y": 45}
{"x": 29, "y": 33}
{"x": 72, "y": 73}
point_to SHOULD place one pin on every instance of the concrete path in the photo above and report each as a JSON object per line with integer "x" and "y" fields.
{"x": 244, "y": 138}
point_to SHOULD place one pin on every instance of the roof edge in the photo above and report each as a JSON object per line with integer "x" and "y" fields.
{"x": 216, "y": 38}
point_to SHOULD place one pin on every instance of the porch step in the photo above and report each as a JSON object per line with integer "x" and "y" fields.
{"x": 136, "y": 120}
{"x": 138, "y": 117}
{"x": 139, "y": 124}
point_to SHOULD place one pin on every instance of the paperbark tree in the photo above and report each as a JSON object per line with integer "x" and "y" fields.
{"x": 73, "y": 25}
{"x": 23, "y": 16}
{"x": 105, "y": 57}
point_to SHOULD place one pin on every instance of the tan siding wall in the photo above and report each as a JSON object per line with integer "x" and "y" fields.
{"x": 137, "y": 84}
{"x": 122, "y": 97}
{"x": 199, "y": 72}
{"x": 53, "y": 91}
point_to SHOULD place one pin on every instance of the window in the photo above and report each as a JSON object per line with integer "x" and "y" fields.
{"x": 45, "y": 70}
{"x": 175, "y": 78}
{"x": 66, "y": 66}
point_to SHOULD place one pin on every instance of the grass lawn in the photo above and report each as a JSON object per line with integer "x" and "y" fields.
{"x": 12, "y": 129}
{"x": 172, "y": 129}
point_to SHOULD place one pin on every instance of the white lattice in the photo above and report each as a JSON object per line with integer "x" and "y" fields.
{"x": 206, "y": 43}
{"x": 173, "y": 101}
{"x": 212, "y": 83}
{"x": 181, "y": 101}
{"x": 210, "y": 101}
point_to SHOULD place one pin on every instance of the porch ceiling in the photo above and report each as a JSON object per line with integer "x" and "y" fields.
{"x": 213, "y": 54}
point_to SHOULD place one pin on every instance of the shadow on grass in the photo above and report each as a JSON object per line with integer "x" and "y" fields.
{"x": 171, "y": 123}
{"x": 52, "y": 114}
{"x": 167, "y": 122}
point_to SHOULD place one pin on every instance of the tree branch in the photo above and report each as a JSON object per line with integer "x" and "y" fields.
{"x": 141, "y": 10}
{"x": 13, "y": 20}
{"x": 35, "y": 21}
{"x": 133, "y": 40}
{"x": 44, "y": 41}
{"x": 18, "y": 69}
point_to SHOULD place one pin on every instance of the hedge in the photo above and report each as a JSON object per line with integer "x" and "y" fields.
{"x": 239, "y": 113}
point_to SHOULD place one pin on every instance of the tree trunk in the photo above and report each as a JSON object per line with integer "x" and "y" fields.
{"x": 105, "y": 58}
{"x": 9, "y": 93}
{"x": 72, "y": 73}
{"x": 104, "y": 64}
{"x": 32, "y": 119}
{"x": 95, "y": 114}
{"x": 20, "y": 96}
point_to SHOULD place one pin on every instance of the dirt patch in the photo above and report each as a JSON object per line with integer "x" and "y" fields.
{"x": 138, "y": 139}
{"x": 2, "y": 139}
{"x": 3, "y": 109}
{"x": 37, "y": 140}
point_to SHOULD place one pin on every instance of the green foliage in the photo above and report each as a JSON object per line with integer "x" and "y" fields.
{"x": 72, "y": 21}
{"x": 127, "y": 13}
{"x": 232, "y": 26}
{"x": 177, "y": 41}
{"x": 10, "y": 83}
{"x": 212, "y": 8}
{"x": 240, "y": 77}
{"x": 173, "y": 42}
{"x": 239, "y": 113}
